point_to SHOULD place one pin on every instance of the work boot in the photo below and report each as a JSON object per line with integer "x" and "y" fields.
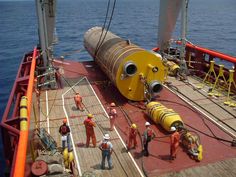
{"x": 172, "y": 157}
{"x": 146, "y": 153}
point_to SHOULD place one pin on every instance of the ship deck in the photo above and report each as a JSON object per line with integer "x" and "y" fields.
{"x": 212, "y": 107}
{"x": 57, "y": 104}
{"x": 195, "y": 108}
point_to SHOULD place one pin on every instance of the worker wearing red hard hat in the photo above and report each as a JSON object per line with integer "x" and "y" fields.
{"x": 112, "y": 115}
{"x": 64, "y": 130}
{"x": 174, "y": 142}
{"x": 89, "y": 126}
{"x": 78, "y": 101}
{"x": 132, "y": 136}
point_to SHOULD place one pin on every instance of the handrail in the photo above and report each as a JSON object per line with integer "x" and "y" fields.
{"x": 19, "y": 167}
{"x": 213, "y": 53}
{"x": 210, "y": 52}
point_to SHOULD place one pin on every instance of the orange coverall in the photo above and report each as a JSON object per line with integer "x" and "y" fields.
{"x": 78, "y": 101}
{"x": 112, "y": 115}
{"x": 132, "y": 137}
{"x": 89, "y": 124}
{"x": 174, "y": 144}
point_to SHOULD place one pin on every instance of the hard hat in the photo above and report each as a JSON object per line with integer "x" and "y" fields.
{"x": 106, "y": 136}
{"x": 172, "y": 129}
{"x": 112, "y": 104}
{"x": 134, "y": 126}
{"x": 90, "y": 115}
{"x": 147, "y": 124}
{"x": 64, "y": 121}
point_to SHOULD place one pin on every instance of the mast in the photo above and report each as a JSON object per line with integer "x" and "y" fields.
{"x": 43, "y": 39}
{"x": 183, "y": 66}
{"x": 168, "y": 14}
{"x": 46, "y": 10}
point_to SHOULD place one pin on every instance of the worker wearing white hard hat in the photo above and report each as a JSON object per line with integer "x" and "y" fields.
{"x": 106, "y": 137}
{"x": 106, "y": 147}
{"x": 174, "y": 142}
{"x": 148, "y": 135}
{"x": 172, "y": 129}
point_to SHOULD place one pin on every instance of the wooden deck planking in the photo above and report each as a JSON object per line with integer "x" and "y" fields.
{"x": 218, "y": 113}
{"x": 55, "y": 113}
{"x": 89, "y": 158}
{"x": 219, "y": 100}
{"x": 102, "y": 121}
{"x": 34, "y": 110}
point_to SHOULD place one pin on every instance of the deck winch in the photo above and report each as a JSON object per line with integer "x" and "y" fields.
{"x": 137, "y": 73}
{"x": 160, "y": 114}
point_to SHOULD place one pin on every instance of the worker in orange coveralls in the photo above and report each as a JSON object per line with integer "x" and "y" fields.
{"x": 89, "y": 125}
{"x": 112, "y": 115}
{"x": 174, "y": 142}
{"x": 78, "y": 101}
{"x": 132, "y": 136}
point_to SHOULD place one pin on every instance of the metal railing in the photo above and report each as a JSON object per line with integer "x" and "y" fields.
{"x": 14, "y": 139}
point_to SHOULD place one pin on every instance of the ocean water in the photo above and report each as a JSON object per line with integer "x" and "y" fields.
{"x": 212, "y": 24}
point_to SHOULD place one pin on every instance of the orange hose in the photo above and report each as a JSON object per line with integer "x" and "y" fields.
{"x": 19, "y": 168}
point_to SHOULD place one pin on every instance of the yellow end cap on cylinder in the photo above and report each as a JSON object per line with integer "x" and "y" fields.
{"x": 130, "y": 85}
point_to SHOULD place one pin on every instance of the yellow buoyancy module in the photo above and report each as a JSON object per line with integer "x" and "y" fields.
{"x": 134, "y": 71}
{"x": 160, "y": 114}
{"x": 23, "y": 113}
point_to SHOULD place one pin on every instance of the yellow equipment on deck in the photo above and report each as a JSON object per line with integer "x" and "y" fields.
{"x": 160, "y": 114}
{"x": 173, "y": 68}
{"x": 137, "y": 73}
{"x": 192, "y": 144}
{"x": 68, "y": 158}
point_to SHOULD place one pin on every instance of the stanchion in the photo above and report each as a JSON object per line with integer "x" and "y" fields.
{"x": 230, "y": 82}
{"x": 220, "y": 75}
{"x": 208, "y": 75}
